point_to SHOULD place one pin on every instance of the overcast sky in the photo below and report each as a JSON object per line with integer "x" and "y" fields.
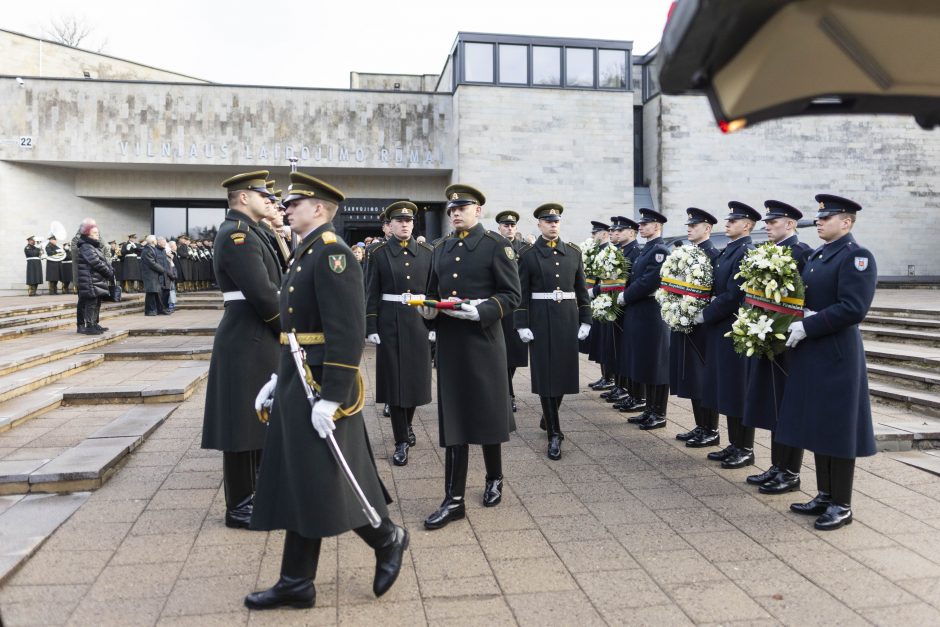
{"x": 317, "y": 43}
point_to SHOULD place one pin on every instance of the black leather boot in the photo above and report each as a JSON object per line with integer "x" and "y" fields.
{"x": 784, "y": 482}
{"x": 835, "y": 517}
{"x": 493, "y": 461}
{"x": 400, "y": 457}
{"x": 412, "y": 440}
{"x": 298, "y": 568}
{"x": 385, "y": 411}
{"x": 455, "y": 482}
{"x": 763, "y": 477}
{"x": 493, "y": 492}
{"x": 550, "y": 412}
{"x": 238, "y": 476}
{"x": 389, "y": 541}
{"x": 815, "y": 507}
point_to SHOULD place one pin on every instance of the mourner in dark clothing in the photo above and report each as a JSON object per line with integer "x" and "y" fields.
{"x": 517, "y": 353}
{"x": 826, "y": 408}
{"x": 55, "y": 254}
{"x": 153, "y": 273}
{"x": 300, "y": 487}
{"x": 94, "y": 276}
{"x": 130, "y": 264}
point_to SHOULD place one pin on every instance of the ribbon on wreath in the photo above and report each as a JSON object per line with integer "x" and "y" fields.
{"x": 684, "y": 288}
{"x": 787, "y": 305}
{"x": 613, "y": 285}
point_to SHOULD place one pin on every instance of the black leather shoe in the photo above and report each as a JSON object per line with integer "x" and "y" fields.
{"x": 742, "y": 457}
{"x": 554, "y": 447}
{"x": 635, "y": 405}
{"x": 101, "y": 328}
{"x": 493, "y": 492}
{"x": 514, "y": 408}
{"x": 400, "y": 457}
{"x": 817, "y": 506}
{"x": 707, "y": 438}
{"x": 449, "y": 511}
{"x": 784, "y": 482}
{"x": 834, "y": 517}
{"x": 614, "y": 391}
{"x": 594, "y": 384}
{"x": 388, "y": 562}
{"x": 720, "y": 456}
{"x": 385, "y": 411}
{"x": 763, "y": 477}
{"x": 688, "y": 435}
{"x": 412, "y": 440}
{"x": 654, "y": 421}
{"x": 240, "y": 517}
{"x": 287, "y": 592}
{"x": 607, "y": 384}
{"x": 635, "y": 420}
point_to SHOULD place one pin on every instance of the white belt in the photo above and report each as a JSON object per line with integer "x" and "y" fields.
{"x": 556, "y": 296}
{"x": 402, "y": 298}
{"x": 130, "y": 255}
{"x": 230, "y": 296}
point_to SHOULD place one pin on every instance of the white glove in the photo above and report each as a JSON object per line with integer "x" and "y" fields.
{"x": 699, "y": 318}
{"x": 525, "y": 335}
{"x": 466, "y": 312}
{"x": 432, "y": 336}
{"x": 428, "y": 313}
{"x": 265, "y": 398}
{"x": 583, "y": 331}
{"x": 620, "y": 300}
{"x": 373, "y": 338}
{"x": 797, "y": 334}
{"x": 808, "y": 312}
{"x": 321, "y": 417}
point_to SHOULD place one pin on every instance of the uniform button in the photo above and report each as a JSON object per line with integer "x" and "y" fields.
{"x": 811, "y": 269}
{"x": 298, "y": 268}
{"x": 555, "y": 252}
{"x": 407, "y": 263}
{"x": 290, "y": 289}
{"x": 455, "y": 275}
{"x": 460, "y": 243}
{"x": 457, "y": 259}
{"x": 408, "y": 277}
{"x": 557, "y": 275}
{"x": 454, "y": 293}
{"x": 310, "y": 252}
{"x": 290, "y": 310}
{"x": 557, "y": 263}
{"x": 293, "y": 330}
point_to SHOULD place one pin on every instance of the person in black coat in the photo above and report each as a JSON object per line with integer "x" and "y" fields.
{"x": 517, "y": 353}
{"x": 94, "y": 276}
{"x": 648, "y": 358}
{"x": 245, "y": 348}
{"x": 399, "y": 272}
{"x": 826, "y": 408}
{"x": 54, "y": 256}
{"x": 626, "y": 396}
{"x": 726, "y": 371}
{"x": 597, "y": 344}
{"x": 68, "y": 274}
{"x": 553, "y": 316}
{"x": 169, "y": 274}
{"x": 130, "y": 264}
{"x": 152, "y": 272}
{"x": 300, "y": 487}
{"x": 33, "y": 265}
{"x": 687, "y": 350}
{"x": 472, "y": 392}
{"x": 767, "y": 379}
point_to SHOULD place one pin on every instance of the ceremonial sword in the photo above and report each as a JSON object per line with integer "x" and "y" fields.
{"x": 300, "y": 361}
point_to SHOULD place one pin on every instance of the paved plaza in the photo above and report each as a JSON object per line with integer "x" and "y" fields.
{"x": 630, "y": 527}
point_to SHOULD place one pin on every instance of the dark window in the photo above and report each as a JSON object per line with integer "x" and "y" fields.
{"x": 513, "y": 64}
{"x": 204, "y": 222}
{"x": 579, "y": 67}
{"x": 612, "y": 69}
{"x": 478, "y": 63}
{"x": 546, "y": 65}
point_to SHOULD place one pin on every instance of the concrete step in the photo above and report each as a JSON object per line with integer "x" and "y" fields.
{"x": 70, "y": 345}
{"x": 903, "y": 355}
{"x": 38, "y": 307}
{"x": 28, "y": 406}
{"x": 29, "y": 379}
{"x": 178, "y": 385}
{"x": 898, "y": 322}
{"x": 925, "y": 460}
{"x": 58, "y": 314}
{"x": 131, "y": 353}
{"x": 27, "y": 521}
{"x": 905, "y": 377}
{"x": 902, "y": 336}
{"x": 191, "y": 330}
{"x": 905, "y": 312}
{"x": 119, "y": 309}
{"x": 925, "y": 402}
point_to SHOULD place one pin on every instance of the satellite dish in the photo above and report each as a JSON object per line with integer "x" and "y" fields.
{"x": 58, "y": 229}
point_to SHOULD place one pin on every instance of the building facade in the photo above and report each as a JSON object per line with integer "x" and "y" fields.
{"x": 526, "y": 119}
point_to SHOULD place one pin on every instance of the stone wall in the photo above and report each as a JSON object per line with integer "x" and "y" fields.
{"x": 22, "y": 55}
{"x": 886, "y": 163}
{"x": 525, "y": 147}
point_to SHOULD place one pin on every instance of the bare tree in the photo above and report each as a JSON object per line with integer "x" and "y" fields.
{"x": 71, "y": 30}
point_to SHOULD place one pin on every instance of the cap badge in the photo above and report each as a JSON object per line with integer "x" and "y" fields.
{"x": 454, "y": 196}
{"x": 553, "y": 212}
{"x": 822, "y": 205}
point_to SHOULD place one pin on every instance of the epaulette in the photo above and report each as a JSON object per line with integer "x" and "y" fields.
{"x": 328, "y": 237}
{"x": 441, "y": 241}
{"x": 426, "y": 245}
{"x": 497, "y": 236}
{"x": 375, "y": 248}
{"x": 575, "y": 246}
{"x": 525, "y": 249}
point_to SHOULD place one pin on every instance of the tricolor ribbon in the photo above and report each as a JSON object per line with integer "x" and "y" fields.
{"x": 684, "y": 288}
{"x": 787, "y": 305}
{"x": 613, "y": 285}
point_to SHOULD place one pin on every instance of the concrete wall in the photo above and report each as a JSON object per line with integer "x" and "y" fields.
{"x": 152, "y": 124}
{"x": 525, "y": 147}
{"x": 32, "y": 196}
{"x": 386, "y": 82}
{"x": 887, "y": 164}
{"x": 22, "y": 55}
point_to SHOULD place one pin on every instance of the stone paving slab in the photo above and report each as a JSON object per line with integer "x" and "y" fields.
{"x": 629, "y": 527}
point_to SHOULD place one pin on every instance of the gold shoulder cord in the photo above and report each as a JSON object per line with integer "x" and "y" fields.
{"x": 342, "y": 412}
